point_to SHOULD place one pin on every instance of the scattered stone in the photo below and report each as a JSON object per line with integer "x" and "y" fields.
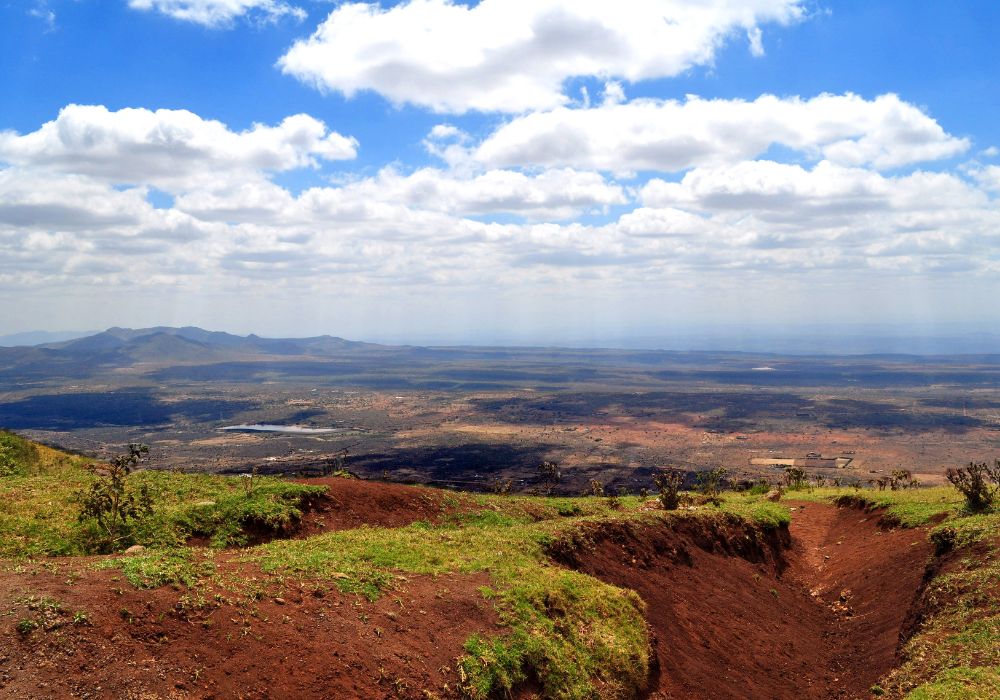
{"x": 134, "y": 550}
{"x": 773, "y": 495}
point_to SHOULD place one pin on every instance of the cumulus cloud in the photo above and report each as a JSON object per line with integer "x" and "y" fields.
{"x": 514, "y": 55}
{"x": 669, "y": 135}
{"x": 66, "y": 202}
{"x": 550, "y": 195}
{"x": 74, "y": 209}
{"x": 216, "y": 13}
{"x": 988, "y": 177}
{"x": 794, "y": 192}
{"x": 174, "y": 150}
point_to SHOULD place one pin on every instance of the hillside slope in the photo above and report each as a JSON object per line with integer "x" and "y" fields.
{"x": 387, "y": 591}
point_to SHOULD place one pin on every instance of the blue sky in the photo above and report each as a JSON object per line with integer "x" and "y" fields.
{"x": 506, "y": 170}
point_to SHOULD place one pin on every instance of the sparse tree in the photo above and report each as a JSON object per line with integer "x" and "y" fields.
{"x": 549, "y": 474}
{"x": 902, "y": 479}
{"x": 501, "y": 486}
{"x": 335, "y": 463}
{"x": 110, "y": 502}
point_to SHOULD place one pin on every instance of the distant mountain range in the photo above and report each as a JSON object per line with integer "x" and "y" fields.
{"x": 119, "y": 348}
{"x": 164, "y": 343}
{"x": 164, "y": 355}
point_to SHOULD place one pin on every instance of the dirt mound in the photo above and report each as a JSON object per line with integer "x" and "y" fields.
{"x": 299, "y": 642}
{"x": 735, "y": 613}
{"x": 351, "y": 503}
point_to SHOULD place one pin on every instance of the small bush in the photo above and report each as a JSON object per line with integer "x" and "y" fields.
{"x": 712, "y": 482}
{"x": 501, "y": 486}
{"x": 902, "y": 479}
{"x": 943, "y": 540}
{"x": 978, "y": 482}
{"x": 26, "y": 626}
{"x": 795, "y": 478}
{"x": 668, "y": 483}
{"x": 111, "y": 504}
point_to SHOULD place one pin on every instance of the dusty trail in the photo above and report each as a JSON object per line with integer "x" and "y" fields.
{"x": 759, "y": 621}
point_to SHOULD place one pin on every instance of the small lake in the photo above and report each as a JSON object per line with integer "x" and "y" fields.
{"x": 269, "y": 428}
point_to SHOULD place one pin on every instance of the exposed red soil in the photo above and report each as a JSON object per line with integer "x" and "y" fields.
{"x": 299, "y": 642}
{"x": 813, "y": 612}
{"x": 737, "y": 616}
{"x": 351, "y": 503}
{"x": 306, "y": 641}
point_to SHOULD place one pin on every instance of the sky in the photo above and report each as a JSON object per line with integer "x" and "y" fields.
{"x": 522, "y": 171}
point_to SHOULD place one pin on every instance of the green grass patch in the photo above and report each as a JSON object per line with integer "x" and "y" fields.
{"x": 177, "y": 567}
{"x": 956, "y": 652}
{"x": 756, "y": 509}
{"x": 18, "y": 457}
{"x": 908, "y": 507}
{"x": 40, "y": 516}
{"x": 961, "y": 683}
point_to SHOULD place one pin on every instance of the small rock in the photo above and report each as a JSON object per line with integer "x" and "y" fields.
{"x": 773, "y": 495}
{"x": 134, "y": 550}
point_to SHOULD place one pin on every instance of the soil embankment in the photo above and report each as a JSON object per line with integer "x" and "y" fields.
{"x": 102, "y": 638}
{"x": 351, "y": 503}
{"x": 733, "y": 616}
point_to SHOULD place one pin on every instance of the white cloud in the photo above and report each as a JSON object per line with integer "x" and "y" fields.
{"x": 667, "y": 135}
{"x": 988, "y": 177}
{"x": 551, "y": 195}
{"x": 46, "y": 14}
{"x": 756, "y": 38}
{"x": 31, "y": 200}
{"x": 793, "y": 192}
{"x": 174, "y": 150}
{"x": 75, "y": 215}
{"x": 614, "y": 94}
{"x": 217, "y": 13}
{"x": 514, "y": 55}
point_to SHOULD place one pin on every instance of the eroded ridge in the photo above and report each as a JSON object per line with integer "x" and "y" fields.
{"x": 815, "y": 611}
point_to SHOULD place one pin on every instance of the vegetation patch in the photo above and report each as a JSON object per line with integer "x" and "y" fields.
{"x": 906, "y": 507}
{"x": 18, "y": 457}
{"x": 171, "y": 567}
{"x": 43, "y": 502}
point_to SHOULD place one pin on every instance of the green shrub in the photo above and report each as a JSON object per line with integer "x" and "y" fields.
{"x": 111, "y": 504}
{"x": 712, "y": 482}
{"x": 668, "y": 483}
{"x": 978, "y": 482}
{"x": 795, "y": 478}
